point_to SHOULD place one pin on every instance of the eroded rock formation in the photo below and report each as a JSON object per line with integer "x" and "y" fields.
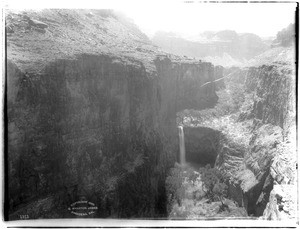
{"x": 273, "y": 145}
{"x": 256, "y": 145}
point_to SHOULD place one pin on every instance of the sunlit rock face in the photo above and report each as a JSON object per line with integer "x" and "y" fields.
{"x": 274, "y": 87}
{"x": 272, "y": 147}
{"x": 256, "y": 146}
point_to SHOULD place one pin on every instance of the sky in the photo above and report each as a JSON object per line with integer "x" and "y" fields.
{"x": 263, "y": 19}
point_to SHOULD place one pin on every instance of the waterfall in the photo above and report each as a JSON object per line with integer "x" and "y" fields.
{"x": 181, "y": 145}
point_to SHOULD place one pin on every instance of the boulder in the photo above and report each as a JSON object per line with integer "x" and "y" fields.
{"x": 37, "y": 23}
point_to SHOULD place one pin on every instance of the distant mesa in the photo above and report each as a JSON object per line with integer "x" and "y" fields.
{"x": 223, "y": 46}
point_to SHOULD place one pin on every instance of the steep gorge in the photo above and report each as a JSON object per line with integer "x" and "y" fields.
{"x": 95, "y": 118}
{"x": 97, "y": 127}
{"x": 254, "y": 146}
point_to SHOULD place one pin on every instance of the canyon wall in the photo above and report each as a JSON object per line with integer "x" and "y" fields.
{"x": 272, "y": 154}
{"x": 267, "y": 144}
{"x": 100, "y": 128}
{"x": 255, "y": 145}
{"x": 274, "y": 89}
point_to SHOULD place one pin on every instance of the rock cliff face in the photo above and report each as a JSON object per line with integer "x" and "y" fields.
{"x": 268, "y": 159}
{"x": 85, "y": 124}
{"x": 182, "y": 85}
{"x": 272, "y": 155}
{"x": 255, "y": 146}
{"x": 274, "y": 90}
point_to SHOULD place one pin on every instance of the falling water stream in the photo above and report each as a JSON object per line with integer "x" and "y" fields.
{"x": 181, "y": 146}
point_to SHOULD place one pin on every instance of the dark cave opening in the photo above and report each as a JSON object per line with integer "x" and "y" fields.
{"x": 201, "y": 146}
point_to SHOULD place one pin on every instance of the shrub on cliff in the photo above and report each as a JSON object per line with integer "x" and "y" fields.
{"x": 230, "y": 99}
{"x": 175, "y": 182}
{"x": 237, "y": 94}
{"x": 213, "y": 182}
{"x": 174, "y": 187}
